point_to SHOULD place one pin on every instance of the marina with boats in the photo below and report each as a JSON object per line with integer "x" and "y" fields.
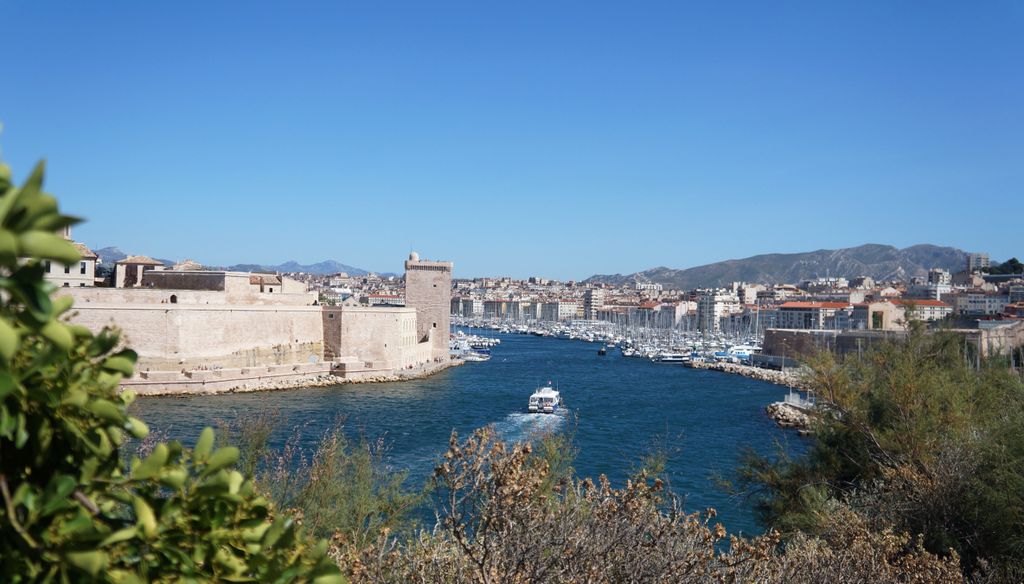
{"x": 659, "y": 345}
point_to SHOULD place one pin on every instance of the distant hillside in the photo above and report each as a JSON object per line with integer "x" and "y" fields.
{"x": 881, "y": 262}
{"x": 323, "y": 268}
{"x": 110, "y": 255}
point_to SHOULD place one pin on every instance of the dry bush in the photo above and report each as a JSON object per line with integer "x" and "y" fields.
{"x": 496, "y": 522}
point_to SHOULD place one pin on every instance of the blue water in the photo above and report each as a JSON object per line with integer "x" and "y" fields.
{"x": 618, "y": 408}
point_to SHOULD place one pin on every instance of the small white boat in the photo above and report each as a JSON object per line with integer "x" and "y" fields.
{"x": 672, "y": 358}
{"x": 546, "y": 400}
{"x": 473, "y": 356}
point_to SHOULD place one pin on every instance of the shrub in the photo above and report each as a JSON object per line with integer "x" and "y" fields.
{"x": 498, "y": 523}
{"x": 918, "y": 437}
{"x": 71, "y": 511}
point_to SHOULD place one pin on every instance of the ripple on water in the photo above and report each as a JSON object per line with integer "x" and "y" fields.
{"x": 523, "y": 427}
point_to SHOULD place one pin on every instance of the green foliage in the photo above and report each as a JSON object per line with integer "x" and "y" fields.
{"x": 71, "y": 510}
{"x": 342, "y": 490}
{"x": 1010, "y": 266}
{"x": 915, "y": 437}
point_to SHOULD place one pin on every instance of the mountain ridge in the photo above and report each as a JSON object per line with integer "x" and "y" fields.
{"x": 112, "y": 254}
{"x": 879, "y": 261}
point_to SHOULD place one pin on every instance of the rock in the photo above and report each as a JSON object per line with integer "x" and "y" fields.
{"x": 788, "y": 416}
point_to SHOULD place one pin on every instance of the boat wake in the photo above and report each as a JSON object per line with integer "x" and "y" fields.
{"x": 523, "y": 427}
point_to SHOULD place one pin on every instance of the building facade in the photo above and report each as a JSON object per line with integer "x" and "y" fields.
{"x": 712, "y": 305}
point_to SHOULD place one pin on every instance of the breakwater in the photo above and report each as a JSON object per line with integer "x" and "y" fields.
{"x": 789, "y": 378}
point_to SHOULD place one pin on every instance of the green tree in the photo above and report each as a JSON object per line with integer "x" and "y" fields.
{"x": 914, "y": 436}
{"x": 71, "y": 511}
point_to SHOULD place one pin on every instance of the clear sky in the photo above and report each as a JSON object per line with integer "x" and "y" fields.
{"x": 548, "y": 138}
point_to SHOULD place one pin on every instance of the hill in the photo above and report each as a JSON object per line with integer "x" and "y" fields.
{"x": 110, "y": 255}
{"x": 881, "y": 262}
{"x": 322, "y": 268}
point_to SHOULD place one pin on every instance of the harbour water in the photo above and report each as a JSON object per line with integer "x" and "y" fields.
{"x": 618, "y": 408}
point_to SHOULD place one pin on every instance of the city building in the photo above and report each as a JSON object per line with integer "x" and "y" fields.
{"x": 78, "y": 275}
{"x": 129, "y": 272}
{"x": 593, "y": 301}
{"x": 925, "y": 309}
{"x": 930, "y": 291}
{"x": 712, "y": 305}
{"x": 809, "y": 315}
{"x": 978, "y": 303}
{"x": 977, "y": 262}
{"x": 652, "y": 287}
{"x": 559, "y": 310}
{"x": 940, "y": 276}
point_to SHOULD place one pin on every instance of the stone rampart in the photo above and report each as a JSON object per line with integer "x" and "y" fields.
{"x": 381, "y": 336}
{"x": 184, "y": 336}
{"x": 134, "y": 296}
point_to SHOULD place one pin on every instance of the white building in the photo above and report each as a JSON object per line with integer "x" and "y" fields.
{"x": 593, "y": 300}
{"x": 648, "y": 287}
{"x": 929, "y": 291}
{"x": 926, "y": 310}
{"x": 979, "y": 303}
{"x": 940, "y": 276}
{"x": 811, "y": 315}
{"x": 76, "y": 275}
{"x": 559, "y": 310}
{"x": 712, "y": 305}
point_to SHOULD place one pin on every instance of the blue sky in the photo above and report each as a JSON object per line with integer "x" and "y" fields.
{"x": 559, "y": 139}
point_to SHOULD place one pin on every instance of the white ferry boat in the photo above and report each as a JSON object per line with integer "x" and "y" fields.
{"x": 546, "y": 400}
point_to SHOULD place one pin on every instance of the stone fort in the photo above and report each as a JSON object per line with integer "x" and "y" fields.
{"x": 205, "y": 331}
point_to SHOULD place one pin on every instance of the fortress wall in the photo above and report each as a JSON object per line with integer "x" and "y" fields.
{"x": 379, "y": 337}
{"x": 135, "y": 296}
{"x": 177, "y": 336}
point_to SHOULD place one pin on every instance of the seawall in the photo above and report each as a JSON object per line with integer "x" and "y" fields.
{"x": 783, "y": 378}
{"x": 271, "y": 378}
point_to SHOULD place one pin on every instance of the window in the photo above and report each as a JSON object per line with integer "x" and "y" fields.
{"x": 82, "y": 266}
{"x": 46, "y": 264}
{"x": 67, "y": 269}
{"x": 81, "y": 285}
{"x": 174, "y": 299}
{"x": 67, "y": 284}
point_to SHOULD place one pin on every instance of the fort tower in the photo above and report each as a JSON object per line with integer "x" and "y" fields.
{"x": 428, "y": 289}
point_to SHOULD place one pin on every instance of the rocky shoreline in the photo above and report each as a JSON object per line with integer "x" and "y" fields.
{"x": 316, "y": 380}
{"x": 790, "y": 417}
